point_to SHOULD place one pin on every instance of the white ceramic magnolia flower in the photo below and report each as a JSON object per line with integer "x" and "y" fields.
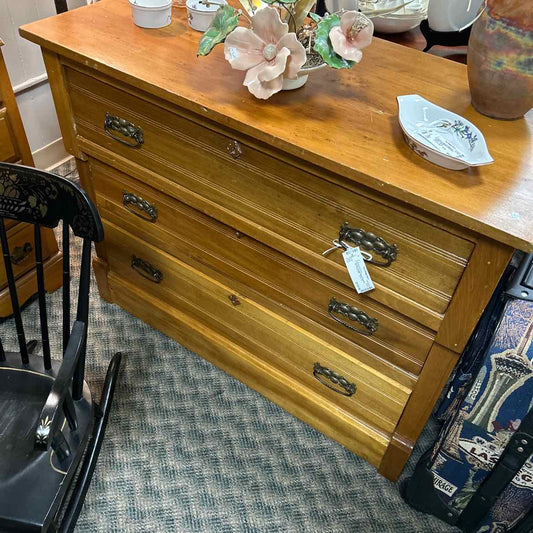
{"x": 268, "y": 52}
{"x": 354, "y": 33}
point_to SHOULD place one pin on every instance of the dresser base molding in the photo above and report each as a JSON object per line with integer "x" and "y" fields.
{"x": 397, "y": 454}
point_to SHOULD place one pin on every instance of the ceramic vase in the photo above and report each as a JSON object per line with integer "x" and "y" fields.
{"x": 300, "y": 81}
{"x": 500, "y": 64}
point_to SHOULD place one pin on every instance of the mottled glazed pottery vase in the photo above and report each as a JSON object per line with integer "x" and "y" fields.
{"x": 500, "y": 59}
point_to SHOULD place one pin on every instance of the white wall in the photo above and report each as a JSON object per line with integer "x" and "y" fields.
{"x": 28, "y": 77}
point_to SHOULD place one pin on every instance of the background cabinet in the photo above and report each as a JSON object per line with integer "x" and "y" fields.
{"x": 14, "y": 148}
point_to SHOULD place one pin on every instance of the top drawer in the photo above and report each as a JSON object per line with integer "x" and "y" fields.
{"x": 276, "y": 201}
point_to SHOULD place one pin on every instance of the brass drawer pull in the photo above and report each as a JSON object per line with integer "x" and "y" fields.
{"x": 131, "y": 201}
{"x": 20, "y": 253}
{"x": 146, "y": 270}
{"x": 126, "y": 128}
{"x": 234, "y": 149}
{"x": 335, "y": 381}
{"x": 369, "y": 242}
{"x": 370, "y": 324}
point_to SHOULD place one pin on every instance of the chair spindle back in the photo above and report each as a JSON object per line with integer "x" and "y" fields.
{"x": 44, "y": 199}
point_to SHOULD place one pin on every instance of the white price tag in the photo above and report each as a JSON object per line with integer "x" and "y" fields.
{"x": 355, "y": 264}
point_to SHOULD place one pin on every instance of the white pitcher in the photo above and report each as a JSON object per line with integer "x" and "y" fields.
{"x": 452, "y": 15}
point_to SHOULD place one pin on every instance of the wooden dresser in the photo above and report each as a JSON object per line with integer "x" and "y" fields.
{"x": 14, "y": 148}
{"x": 217, "y": 208}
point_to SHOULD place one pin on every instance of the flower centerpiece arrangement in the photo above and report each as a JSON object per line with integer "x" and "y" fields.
{"x": 285, "y": 41}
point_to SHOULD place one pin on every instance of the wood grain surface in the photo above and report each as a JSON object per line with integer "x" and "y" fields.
{"x": 345, "y": 121}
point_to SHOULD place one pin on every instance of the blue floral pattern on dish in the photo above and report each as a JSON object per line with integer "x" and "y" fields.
{"x": 462, "y": 130}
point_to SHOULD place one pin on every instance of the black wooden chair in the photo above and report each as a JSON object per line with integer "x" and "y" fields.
{"x": 50, "y": 429}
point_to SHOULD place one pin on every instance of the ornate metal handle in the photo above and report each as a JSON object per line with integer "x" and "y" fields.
{"x": 370, "y": 242}
{"x": 336, "y": 382}
{"x": 20, "y": 253}
{"x": 126, "y": 128}
{"x": 130, "y": 200}
{"x": 371, "y": 324}
{"x": 234, "y": 149}
{"x": 146, "y": 270}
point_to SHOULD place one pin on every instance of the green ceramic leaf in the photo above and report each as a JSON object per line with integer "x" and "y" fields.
{"x": 323, "y": 44}
{"x": 315, "y": 17}
{"x": 225, "y": 21}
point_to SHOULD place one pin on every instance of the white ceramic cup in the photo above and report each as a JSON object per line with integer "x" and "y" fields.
{"x": 452, "y": 15}
{"x": 151, "y": 13}
{"x": 201, "y": 15}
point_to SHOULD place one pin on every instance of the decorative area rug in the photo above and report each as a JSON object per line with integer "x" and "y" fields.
{"x": 190, "y": 449}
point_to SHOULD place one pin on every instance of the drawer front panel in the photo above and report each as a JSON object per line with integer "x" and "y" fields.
{"x": 377, "y": 401}
{"x": 194, "y": 237}
{"x": 7, "y": 149}
{"x": 274, "y": 201}
{"x": 22, "y": 249}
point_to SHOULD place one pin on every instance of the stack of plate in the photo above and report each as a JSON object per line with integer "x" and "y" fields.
{"x": 408, "y": 14}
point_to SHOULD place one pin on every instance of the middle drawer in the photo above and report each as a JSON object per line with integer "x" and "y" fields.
{"x": 174, "y": 227}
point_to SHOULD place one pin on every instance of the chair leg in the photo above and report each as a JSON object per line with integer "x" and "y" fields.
{"x": 93, "y": 449}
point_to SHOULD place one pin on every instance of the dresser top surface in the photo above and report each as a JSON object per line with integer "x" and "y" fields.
{"x": 345, "y": 121}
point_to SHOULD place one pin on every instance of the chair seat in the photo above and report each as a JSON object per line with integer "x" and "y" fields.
{"x": 24, "y": 469}
{"x": 22, "y": 396}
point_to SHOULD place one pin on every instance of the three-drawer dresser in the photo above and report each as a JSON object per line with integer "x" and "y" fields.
{"x": 218, "y": 209}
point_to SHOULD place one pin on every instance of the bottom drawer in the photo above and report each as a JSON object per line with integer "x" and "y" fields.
{"x": 355, "y": 389}
{"x": 245, "y": 366}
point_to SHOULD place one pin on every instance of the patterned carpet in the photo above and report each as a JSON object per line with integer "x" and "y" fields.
{"x": 190, "y": 449}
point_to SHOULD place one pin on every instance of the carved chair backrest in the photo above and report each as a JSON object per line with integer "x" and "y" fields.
{"x": 44, "y": 199}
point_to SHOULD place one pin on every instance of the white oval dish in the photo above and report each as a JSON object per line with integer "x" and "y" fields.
{"x": 151, "y": 13}
{"x": 440, "y": 136}
{"x": 200, "y": 15}
{"x": 392, "y": 24}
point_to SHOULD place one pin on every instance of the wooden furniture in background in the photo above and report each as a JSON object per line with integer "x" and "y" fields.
{"x": 217, "y": 208}
{"x": 14, "y": 148}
